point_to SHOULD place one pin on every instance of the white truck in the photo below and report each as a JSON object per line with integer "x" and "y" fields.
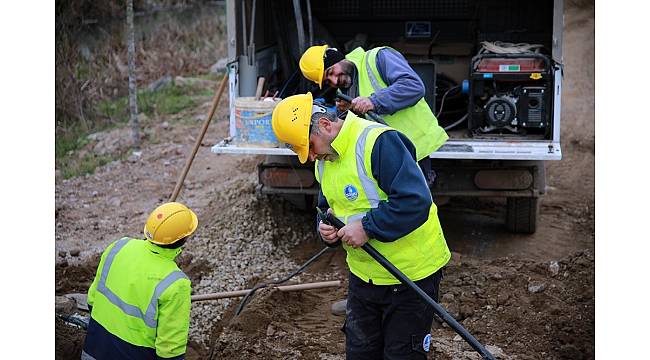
{"x": 492, "y": 70}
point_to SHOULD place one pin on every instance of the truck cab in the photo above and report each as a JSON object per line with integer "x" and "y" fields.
{"x": 492, "y": 70}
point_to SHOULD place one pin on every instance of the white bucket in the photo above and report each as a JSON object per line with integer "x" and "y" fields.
{"x": 253, "y": 122}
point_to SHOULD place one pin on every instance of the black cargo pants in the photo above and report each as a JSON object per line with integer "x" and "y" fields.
{"x": 388, "y": 321}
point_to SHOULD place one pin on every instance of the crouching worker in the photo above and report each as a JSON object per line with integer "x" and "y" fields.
{"x": 140, "y": 300}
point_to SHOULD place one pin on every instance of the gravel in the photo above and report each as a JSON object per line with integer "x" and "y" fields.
{"x": 536, "y": 288}
{"x": 246, "y": 239}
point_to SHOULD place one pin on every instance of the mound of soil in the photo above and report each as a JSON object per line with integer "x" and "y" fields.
{"x": 528, "y": 309}
{"x": 76, "y": 278}
{"x": 521, "y": 309}
{"x": 69, "y": 340}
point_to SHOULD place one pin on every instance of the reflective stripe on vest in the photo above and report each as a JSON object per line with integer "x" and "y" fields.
{"x": 351, "y": 218}
{"x": 371, "y": 76}
{"x": 86, "y": 356}
{"x": 149, "y": 317}
{"x": 366, "y": 182}
{"x": 417, "y": 121}
{"x": 417, "y": 254}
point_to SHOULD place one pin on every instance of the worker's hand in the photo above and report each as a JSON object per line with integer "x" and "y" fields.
{"x": 327, "y": 232}
{"x": 353, "y": 234}
{"x": 362, "y": 105}
{"x": 342, "y": 105}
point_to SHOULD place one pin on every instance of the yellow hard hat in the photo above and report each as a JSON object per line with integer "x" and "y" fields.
{"x": 169, "y": 223}
{"x": 290, "y": 122}
{"x": 312, "y": 64}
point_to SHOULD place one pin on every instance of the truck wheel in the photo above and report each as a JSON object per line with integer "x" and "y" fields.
{"x": 521, "y": 215}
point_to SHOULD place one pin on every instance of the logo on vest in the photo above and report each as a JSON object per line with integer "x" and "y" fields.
{"x": 426, "y": 343}
{"x": 350, "y": 192}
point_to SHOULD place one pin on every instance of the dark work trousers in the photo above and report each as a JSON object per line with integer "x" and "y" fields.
{"x": 388, "y": 321}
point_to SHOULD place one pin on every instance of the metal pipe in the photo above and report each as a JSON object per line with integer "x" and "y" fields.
{"x": 311, "y": 23}
{"x": 301, "y": 28}
{"x": 243, "y": 26}
{"x": 251, "y": 43}
{"x": 284, "y": 288}
{"x": 252, "y": 35}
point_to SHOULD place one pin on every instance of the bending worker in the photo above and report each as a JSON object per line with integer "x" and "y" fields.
{"x": 370, "y": 180}
{"x": 381, "y": 80}
{"x": 140, "y": 300}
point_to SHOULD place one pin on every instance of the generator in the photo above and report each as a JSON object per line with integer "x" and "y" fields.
{"x": 510, "y": 95}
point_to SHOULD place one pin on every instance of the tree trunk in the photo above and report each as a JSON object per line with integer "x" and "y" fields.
{"x": 133, "y": 104}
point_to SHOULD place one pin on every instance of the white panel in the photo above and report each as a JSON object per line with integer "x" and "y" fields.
{"x": 557, "y": 107}
{"x": 493, "y": 150}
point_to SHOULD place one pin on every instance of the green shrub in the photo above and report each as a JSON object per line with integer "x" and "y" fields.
{"x": 166, "y": 101}
{"x": 72, "y": 168}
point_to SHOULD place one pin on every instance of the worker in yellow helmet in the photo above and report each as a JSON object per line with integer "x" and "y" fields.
{"x": 370, "y": 180}
{"x": 380, "y": 80}
{"x": 140, "y": 300}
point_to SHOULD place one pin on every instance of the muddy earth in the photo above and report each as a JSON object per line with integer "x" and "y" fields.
{"x": 524, "y": 296}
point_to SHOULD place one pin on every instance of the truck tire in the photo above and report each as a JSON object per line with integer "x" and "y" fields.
{"x": 521, "y": 214}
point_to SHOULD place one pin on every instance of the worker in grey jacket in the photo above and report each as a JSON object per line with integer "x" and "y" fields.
{"x": 379, "y": 80}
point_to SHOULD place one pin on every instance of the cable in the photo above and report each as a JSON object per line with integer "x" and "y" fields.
{"x": 499, "y": 47}
{"x": 451, "y": 126}
{"x": 263, "y": 285}
{"x": 442, "y": 102}
{"x": 281, "y": 94}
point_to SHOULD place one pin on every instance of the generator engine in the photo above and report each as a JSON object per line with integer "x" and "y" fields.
{"x": 510, "y": 94}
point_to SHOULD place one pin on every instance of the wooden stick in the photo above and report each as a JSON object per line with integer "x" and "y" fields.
{"x": 215, "y": 102}
{"x": 238, "y": 293}
{"x": 260, "y": 86}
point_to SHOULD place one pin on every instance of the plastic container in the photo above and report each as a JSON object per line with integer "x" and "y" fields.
{"x": 253, "y": 122}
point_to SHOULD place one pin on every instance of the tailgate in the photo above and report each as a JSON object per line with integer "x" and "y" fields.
{"x": 452, "y": 149}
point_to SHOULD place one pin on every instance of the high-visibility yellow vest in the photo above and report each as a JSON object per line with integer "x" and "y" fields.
{"x": 417, "y": 122}
{"x": 351, "y": 191}
{"x": 141, "y": 296}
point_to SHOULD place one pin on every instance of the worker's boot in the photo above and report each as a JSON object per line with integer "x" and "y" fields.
{"x": 338, "y": 308}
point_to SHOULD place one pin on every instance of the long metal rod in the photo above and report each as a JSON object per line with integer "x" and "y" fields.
{"x": 310, "y": 23}
{"x": 190, "y": 159}
{"x": 243, "y": 26}
{"x": 300, "y": 27}
{"x": 238, "y": 293}
{"x": 251, "y": 43}
{"x": 439, "y": 310}
{"x": 252, "y": 34}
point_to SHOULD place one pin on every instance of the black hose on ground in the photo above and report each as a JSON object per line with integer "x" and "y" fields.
{"x": 246, "y": 298}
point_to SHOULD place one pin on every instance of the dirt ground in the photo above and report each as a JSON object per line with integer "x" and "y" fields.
{"x": 526, "y": 296}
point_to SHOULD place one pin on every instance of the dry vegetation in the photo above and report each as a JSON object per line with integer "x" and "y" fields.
{"x": 91, "y": 60}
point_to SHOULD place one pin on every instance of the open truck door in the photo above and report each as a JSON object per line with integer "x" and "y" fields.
{"x": 492, "y": 71}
